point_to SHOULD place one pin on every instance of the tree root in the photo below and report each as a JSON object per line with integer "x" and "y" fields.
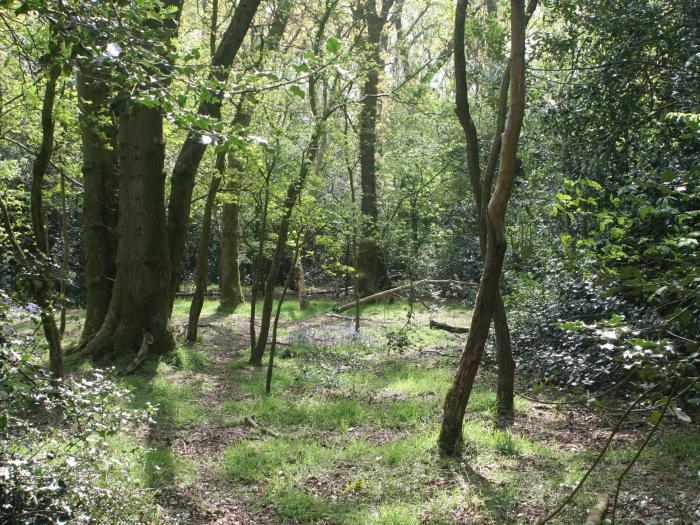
{"x": 146, "y": 342}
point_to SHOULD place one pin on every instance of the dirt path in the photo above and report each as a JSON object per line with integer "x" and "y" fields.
{"x": 209, "y": 501}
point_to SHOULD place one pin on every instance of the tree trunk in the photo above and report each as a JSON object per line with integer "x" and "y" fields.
{"x": 371, "y": 268}
{"x": 230, "y": 282}
{"x": 258, "y": 350}
{"x": 100, "y": 177}
{"x": 230, "y": 285}
{"x": 192, "y": 151}
{"x": 202, "y": 261}
{"x": 301, "y": 285}
{"x": 450, "y": 438}
{"x": 42, "y": 286}
{"x": 140, "y": 297}
{"x": 505, "y": 390}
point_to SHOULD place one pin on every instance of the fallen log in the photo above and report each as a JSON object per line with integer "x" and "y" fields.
{"x": 391, "y": 291}
{"x": 437, "y": 325}
{"x": 595, "y": 516}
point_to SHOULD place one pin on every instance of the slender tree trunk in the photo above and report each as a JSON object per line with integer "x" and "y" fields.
{"x": 100, "y": 177}
{"x": 282, "y": 232}
{"x": 192, "y": 151}
{"x": 230, "y": 283}
{"x": 42, "y": 286}
{"x": 450, "y": 438}
{"x": 372, "y": 270}
{"x": 140, "y": 305}
{"x": 202, "y": 261}
{"x": 273, "y": 346}
{"x": 301, "y": 285}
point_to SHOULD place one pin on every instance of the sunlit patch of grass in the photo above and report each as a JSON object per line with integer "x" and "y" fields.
{"x": 176, "y": 401}
{"x": 181, "y": 306}
{"x": 412, "y": 380}
{"x": 258, "y": 460}
{"x": 163, "y": 467}
{"x": 296, "y": 505}
{"x": 187, "y": 358}
{"x": 292, "y": 311}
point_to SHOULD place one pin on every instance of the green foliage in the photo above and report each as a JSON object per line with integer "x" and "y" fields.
{"x": 56, "y": 464}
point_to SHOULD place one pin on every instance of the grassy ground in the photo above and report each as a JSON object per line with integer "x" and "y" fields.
{"x": 348, "y": 434}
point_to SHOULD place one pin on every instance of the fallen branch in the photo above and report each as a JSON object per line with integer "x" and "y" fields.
{"x": 391, "y": 291}
{"x": 437, "y": 325}
{"x": 146, "y": 342}
{"x": 595, "y": 516}
{"x": 437, "y": 352}
{"x": 254, "y": 424}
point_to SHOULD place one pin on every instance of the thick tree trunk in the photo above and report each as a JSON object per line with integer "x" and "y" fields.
{"x": 42, "y": 286}
{"x": 100, "y": 177}
{"x": 371, "y": 268}
{"x": 140, "y": 297}
{"x": 450, "y": 438}
{"x": 192, "y": 151}
{"x": 202, "y": 261}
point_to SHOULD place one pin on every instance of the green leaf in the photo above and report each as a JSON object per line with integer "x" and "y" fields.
{"x": 333, "y": 45}
{"x": 655, "y": 417}
{"x": 3, "y": 421}
{"x": 296, "y": 90}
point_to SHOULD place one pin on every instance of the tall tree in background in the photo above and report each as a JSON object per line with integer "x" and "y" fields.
{"x": 192, "y": 150}
{"x": 450, "y": 438}
{"x": 42, "y": 283}
{"x": 372, "y": 271}
{"x": 309, "y": 155}
{"x": 230, "y": 276}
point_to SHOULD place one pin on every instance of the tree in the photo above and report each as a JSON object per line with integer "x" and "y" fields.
{"x": 372, "y": 272}
{"x": 192, "y": 150}
{"x": 42, "y": 283}
{"x": 450, "y": 438}
{"x": 100, "y": 202}
{"x": 140, "y": 305}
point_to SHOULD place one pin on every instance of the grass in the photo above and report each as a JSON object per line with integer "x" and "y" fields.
{"x": 358, "y": 428}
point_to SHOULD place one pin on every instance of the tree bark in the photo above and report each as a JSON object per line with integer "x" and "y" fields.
{"x": 202, "y": 261}
{"x": 371, "y": 267}
{"x": 230, "y": 276}
{"x": 301, "y": 285}
{"x": 100, "y": 177}
{"x": 192, "y": 150}
{"x": 140, "y": 297}
{"x": 450, "y": 438}
{"x": 293, "y": 190}
{"x": 42, "y": 286}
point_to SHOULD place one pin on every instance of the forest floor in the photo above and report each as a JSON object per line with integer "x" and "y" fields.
{"x": 348, "y": 435}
